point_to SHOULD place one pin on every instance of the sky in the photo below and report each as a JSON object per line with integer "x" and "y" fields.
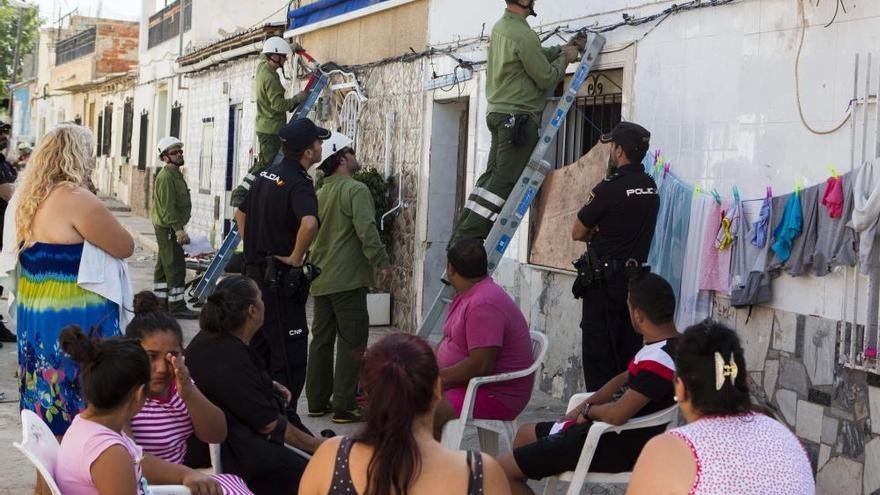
{"x": 114, "y": 9}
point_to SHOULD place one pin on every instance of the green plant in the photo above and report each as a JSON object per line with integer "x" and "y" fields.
{"x": 379, "y": 187}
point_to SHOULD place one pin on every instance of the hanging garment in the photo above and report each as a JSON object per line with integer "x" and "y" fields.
{"x": 715, "y": 270}
{"x": 694, "y": 305}
{"x": 749, "y": 279}
{"x": 866, "y": 210}
{"x": 805, "y": 244}
{"x": 835, "y": 241}
{"x": 789, "y": 228}
{"x": 729, "y": 227}
{"x": 666, "y": 257}
{"x": 832, "y": 200}
{"x": 777, "y": 211}
{"x": 761, "y": 227}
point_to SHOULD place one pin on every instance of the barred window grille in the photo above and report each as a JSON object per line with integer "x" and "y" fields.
{"x": 175, "y": 119}
{"x": 76, "y": 46}
{"x": 142, "y": 140}
{"x": 592, "y": 114}
{"x": 107, "y": 134}
{"x": 127, "y": 127}
{"x": 165, "y": 24}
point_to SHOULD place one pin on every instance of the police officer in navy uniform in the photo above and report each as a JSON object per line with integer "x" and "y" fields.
{"x": 278, "y": 221}
{"x": 617, "y": 223}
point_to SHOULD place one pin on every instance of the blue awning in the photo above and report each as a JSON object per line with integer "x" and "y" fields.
{"x": 325, "y": 9}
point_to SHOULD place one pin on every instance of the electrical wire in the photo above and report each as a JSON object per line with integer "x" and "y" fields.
{"x": 797, "y": 81}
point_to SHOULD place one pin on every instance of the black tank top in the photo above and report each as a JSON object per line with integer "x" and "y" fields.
{"x": 342, "y": 484}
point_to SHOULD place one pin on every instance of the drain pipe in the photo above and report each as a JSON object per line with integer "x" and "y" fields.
{"x": 389, "y": 122}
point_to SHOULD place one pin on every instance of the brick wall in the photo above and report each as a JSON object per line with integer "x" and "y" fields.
{"x": 116, "y": 47}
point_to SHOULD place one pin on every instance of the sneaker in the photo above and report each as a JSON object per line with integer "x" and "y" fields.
{"x": 322, "y": 412}
{"x": 352, "y": 416}
{"x": 6, "y": 334}
{"x": 185, "y": 314}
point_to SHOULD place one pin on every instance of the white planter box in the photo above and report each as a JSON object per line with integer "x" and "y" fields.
{"x": 379, "y": 308}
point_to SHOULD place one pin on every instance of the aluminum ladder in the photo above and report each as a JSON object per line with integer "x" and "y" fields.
{"x": 524, "y": 191}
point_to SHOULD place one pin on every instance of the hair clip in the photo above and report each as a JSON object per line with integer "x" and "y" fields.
{"x": 723, "y": 371}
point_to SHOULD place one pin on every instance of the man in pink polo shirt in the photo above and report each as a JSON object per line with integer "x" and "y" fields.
{"x": 485, "y": 334}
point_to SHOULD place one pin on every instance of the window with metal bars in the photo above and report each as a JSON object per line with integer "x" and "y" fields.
{"x": 165, "y": 24}
{"x": 107, "y": 134}
{"x": 127, "y": 127}
{"x": 175, "y": 119}
{"x": 76, "y": 46}
{"x": 99, "y": 131}
{"x": 597, "y": 110}
{"x": 142, "y": 140}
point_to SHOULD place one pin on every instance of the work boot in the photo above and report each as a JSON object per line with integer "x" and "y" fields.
{"x": 6, "y": 335}
{"x": 185, "y": 314}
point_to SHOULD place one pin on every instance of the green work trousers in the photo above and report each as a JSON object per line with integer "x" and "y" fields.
{"x": 505, "y": 165}
{"x": 340, "y": 320}
{"x": 169, "y": 278}
{"x": 269, "y": 146}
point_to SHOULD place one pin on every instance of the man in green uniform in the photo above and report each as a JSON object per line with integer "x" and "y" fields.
{"x": 348, "y": 250}
{"x": 272, "y": 108}
{"x": 519, "y": 74}
{"x": 170, "y": 214}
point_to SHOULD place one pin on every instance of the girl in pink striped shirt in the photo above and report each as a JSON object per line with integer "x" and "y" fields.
{"x": 175, "y": 409}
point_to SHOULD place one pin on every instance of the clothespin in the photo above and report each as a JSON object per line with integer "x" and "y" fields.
{"x": 736, "y": 194}
{"x": 665, "y": 169}
{"x": 833, "y": 171}
{"x": 716, "y": 196}
{"x": 798, "y": 185}
{"x": 697, "y": 190}
{"x": 659, "y": 164}
{"x": 769, "y": 192}
{"x": 656, "y": 155}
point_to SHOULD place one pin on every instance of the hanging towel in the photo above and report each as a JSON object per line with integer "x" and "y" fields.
{"x": 101, "y": 273}
{"x": 715, "y": 270}
{"x": 789, "y": 228}
{"x": 666, "y": 257}
{"x": 866, "y": 210}
{"x": 729, "y": 227}
{"x": 761, "y": 226}
{"x": 835, "y": 240}
{"x": 832, "y": 200}
{"x": 805, "y": 244}
{"x": 749, "y": 278}
{"x": 777, "y": 211}
{"x": 693, "y": 304}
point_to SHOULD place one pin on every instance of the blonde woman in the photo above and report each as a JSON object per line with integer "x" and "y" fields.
{"x": 55, "y": 214}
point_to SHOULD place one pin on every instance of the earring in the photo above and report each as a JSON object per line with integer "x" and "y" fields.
{"x": 675, "y": 398}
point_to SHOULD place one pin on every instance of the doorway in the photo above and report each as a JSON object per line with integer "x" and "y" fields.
{"x": 233, "y": 161}
{"x": 446, "y": 188}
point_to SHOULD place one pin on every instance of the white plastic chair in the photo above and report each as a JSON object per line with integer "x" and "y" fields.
{"x": 40, "y": 446}
{"x": 577, "y": 478}
{"x": 488, "y": 430}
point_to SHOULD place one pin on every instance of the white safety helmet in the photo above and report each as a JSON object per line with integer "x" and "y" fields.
{"x": 277, "y": 45}
{"x": 336, "y": 142}
{"x": 167, "y": 143}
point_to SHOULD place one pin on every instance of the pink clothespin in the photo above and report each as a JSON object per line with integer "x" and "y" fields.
{"x": 769, "y": 192}
{"x": 665, "y": 170}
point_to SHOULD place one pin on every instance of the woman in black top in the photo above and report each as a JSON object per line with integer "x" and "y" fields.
{"x": 232, "y": 376}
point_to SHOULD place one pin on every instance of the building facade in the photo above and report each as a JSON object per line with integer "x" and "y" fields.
{"x": 717, "y": 88}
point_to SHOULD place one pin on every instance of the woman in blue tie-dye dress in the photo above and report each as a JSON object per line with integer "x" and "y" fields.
{"x": 55, "y": 215}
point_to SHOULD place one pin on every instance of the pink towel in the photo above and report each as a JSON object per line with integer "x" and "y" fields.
{"x": 715, "y": 263}
{"x": 833, "y": 197}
